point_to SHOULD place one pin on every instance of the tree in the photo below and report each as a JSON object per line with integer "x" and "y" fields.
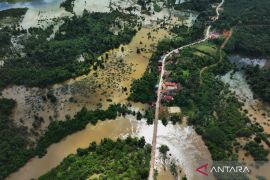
{"x": 175, "y": 119}
{"x": 173, "y": 169}
{"x": 163, "y": 149}
{"x": 164, "y": 121}
{"x": 139, "y": 115}
{"x": 141, "y": 142}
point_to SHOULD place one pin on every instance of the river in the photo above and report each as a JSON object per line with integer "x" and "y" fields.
{"x": 187, "y": 149}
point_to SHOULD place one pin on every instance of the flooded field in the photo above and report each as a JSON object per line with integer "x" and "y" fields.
{"x": 257, "y": 111}
{"x": 242, "y": 62}
{"x": 187, "y": 149}
{"x": 96, "y": 90}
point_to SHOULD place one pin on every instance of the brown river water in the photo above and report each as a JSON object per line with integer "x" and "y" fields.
{"x": 187, "y": 150}
{"x": 57, "y": 152}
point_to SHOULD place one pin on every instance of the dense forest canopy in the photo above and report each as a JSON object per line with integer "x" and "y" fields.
{"x": 251, "y": 41}
{"x": 16, "y": 12}
{"x": 13, "y": 140}
{"x": 122, "y": 159}
{"x": 259, "y": 81}
{"x": 245, "y": 12}
{"x": 195, "y": 5}
{"x": 250, "y": 21}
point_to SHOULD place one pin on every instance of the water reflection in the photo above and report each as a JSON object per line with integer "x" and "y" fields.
{"x": 8, "y": 4}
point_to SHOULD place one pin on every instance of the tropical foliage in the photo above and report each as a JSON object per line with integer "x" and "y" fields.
{"x": 122, "y": 159}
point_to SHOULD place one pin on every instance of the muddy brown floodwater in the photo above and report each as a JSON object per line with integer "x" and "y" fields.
{"x": 186, "y": 147}
{"x": 94, "y": 90}
{"x": 57, "y": 152}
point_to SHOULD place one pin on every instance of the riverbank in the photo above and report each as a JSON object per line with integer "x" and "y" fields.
{"x": 188, "y": 156}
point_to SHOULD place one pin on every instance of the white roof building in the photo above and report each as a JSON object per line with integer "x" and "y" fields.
{"x": 174, "y": 110}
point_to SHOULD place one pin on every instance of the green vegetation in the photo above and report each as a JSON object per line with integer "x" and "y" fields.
{"x": 194, "y": 5}
{"x": 251, "y": 36}
{"x": 8, "y": 20}
{"x": 264, "y": 137}
{"x": 57, "y": 130}
{"x": 210, "y": 107}
{"x": 251, "y": 26}
{"x": 259, "y": 80}
{"x": 175, "y": 119}
{"x": 157, "y": 8}
{"x": 257, "y": 151}
{"x": 143, "y": 88}
{"x": 173, "y": 169}
{"x": 68, "y": 5}
{"x": 244, "y": 12}
{"x": 250, "y": 40}
{"x": 163, "y": 149}
{"x": 15, "y": 149}
{"x": 16, "y": 13}
{"x": 122, "y": 159}
{"x": 50, "y": 61}
{"x": 203, "y": 8}
{"x": 14, "y": 144}
{"x": 5, "y": 42}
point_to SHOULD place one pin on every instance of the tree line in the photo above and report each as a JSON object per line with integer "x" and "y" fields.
{"x": 121, "y": 159}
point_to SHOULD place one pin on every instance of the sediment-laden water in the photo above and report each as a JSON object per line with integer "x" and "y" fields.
{"x": 187, "y": 149}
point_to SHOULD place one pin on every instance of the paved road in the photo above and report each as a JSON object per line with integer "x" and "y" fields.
{"x": 154, "y": 140}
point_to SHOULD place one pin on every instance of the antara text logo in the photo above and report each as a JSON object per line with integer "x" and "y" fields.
{"x": 222, "y": 169}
